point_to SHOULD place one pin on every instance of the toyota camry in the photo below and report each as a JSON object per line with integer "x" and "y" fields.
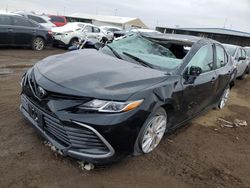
{"x": 99, "y": 106}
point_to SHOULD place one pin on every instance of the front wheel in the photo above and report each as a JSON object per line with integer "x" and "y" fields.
{"x": 152, "y": 132}
{"x": 224, "y": 98}
{"x": 38, "y": 44}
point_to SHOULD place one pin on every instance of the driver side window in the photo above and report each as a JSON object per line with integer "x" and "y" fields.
{"x": 88, "y": 29}
{"x": 202, "y": 59}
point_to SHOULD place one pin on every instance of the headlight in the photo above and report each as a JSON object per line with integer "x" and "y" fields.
{"x": 110, "y": 106}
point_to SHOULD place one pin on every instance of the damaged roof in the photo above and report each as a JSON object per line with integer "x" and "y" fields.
{"x": 177, "y": 37}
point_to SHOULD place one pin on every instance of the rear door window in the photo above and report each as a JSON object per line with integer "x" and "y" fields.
{"x": 36, "y": 19}
{"x": 96, "y": 30}
{"x": 19, "y": 21}
{"x": 5, "y": 20}
{"x": 88, "y": 29}
{"x": 221, "y": 57}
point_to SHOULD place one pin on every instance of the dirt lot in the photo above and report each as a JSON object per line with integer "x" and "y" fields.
{"x": 201, "y": 154}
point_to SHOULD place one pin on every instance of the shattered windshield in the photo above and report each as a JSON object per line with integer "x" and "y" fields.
{"x": 149, "y": 52}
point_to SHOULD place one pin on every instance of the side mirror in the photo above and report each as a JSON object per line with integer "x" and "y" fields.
{"x": 191, "y": 74}
{"x": 195, "y": 71}
{"x": 241, "y": 58}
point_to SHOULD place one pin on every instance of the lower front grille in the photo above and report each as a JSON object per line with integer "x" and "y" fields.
{"x": 80, "y": 138}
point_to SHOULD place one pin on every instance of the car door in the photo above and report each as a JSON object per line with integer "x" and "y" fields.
{"x": 89, "y": 31}
{"x": 199, "y": 93}
{"x": 97, "y": 33}
{"x": 6, "y": 34}
{"x": 223, "y": 70}
{"x": 23, "y": 31}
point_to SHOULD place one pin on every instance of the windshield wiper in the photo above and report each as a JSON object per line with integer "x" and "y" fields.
{"x": 139, "y": 60}
{"x": 114, "y": 52}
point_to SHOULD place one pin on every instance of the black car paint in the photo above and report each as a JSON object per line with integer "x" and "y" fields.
{"x": 20, "y": 35}
{"x": 112, "y": 79}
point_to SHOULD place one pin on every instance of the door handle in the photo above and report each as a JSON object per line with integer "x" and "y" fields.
{"x": 10, "y": 29}
{"x": 213, "y": 80}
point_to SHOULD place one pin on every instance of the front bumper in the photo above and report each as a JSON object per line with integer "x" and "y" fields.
{"x": 68, "y": 143}
{"x": 67, "y": 132}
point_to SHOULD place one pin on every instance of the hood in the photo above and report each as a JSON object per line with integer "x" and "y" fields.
{"x": 65, "y": 28}
{"x": 97, "y": 75}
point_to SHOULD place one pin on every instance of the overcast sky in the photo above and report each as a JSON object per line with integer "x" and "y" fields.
{"x": 233, "y": 14}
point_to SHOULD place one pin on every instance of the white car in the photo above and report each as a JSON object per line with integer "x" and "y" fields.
{"x": 42, "y": 20}
{"x": 112, "y": 29}
{"x": 109, "y": 31}
{"x": 71, "y": 33}
{"x": 118, "y": 34}
{"x": 239, "y": 57}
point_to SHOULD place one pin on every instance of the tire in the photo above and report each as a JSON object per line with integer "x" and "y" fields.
{"x": 73, "y": 42}
{"x": 148, "y": 138}
{"x": 38, "y": 44}
{"x": 224, "y": 98}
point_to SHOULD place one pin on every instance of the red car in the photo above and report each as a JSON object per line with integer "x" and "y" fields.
{"x": 58, "y": 20}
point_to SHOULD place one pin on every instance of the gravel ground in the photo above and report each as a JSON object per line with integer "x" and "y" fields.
{"x": 201, "y": 154}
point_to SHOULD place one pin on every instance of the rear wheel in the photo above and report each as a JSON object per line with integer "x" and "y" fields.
{"x": 152, "y": 132}
{"x": 38, "y": 44}
{"x": 224, "y": 98}
{"x": 73, "y": 42}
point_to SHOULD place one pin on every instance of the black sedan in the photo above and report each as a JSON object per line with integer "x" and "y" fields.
{"x": 15, "y": 30}
{"x": 99, "y": 106}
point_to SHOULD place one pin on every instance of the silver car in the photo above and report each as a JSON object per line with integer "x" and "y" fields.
{"x": 239, "y": 57}
{"x": 247, "y": 48}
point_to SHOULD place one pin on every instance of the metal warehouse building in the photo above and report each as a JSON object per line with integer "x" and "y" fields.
{"x": 99, "y": 20}
{"x": 220, "y": 34}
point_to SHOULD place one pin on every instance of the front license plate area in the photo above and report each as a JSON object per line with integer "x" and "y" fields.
{"x": 33, "y": 112}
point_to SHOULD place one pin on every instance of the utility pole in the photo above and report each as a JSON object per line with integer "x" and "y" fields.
{"x": 115, "y": 11}
{"x": 225, "y": 23}
{"x": 7, "y": 7}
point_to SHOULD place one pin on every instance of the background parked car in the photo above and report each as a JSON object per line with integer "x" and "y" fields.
{"x": 58, "y": 20}
{"x": 248, "y": 57}
{"x": 16, "y": 30}
{"x": 71, "y": 33}
{"x": 239, "y": 56}
{"x": 109, "y": 31}
{"x": 133, "y": 30}
{"x": 112, "y": 29}
{"x": 43, "y": 20}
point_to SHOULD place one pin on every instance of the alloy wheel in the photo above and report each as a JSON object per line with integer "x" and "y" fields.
{"x": 38, "y": 44}
{"x": 153, "y": 133}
